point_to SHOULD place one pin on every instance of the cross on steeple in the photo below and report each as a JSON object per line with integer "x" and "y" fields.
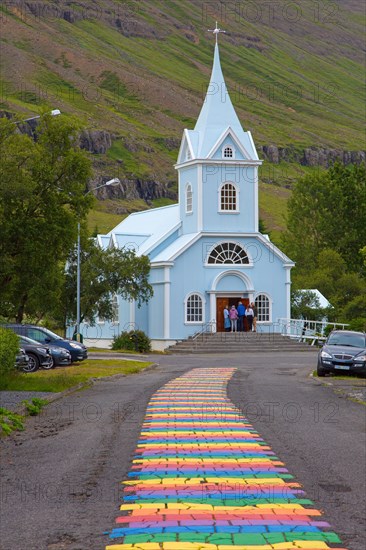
{"x": 215, "y": 31}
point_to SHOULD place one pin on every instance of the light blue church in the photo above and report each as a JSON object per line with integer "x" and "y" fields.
{"x": 206, "y": 251}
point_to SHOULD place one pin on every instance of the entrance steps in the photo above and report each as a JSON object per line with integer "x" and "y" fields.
{"x": 233, "y": 342}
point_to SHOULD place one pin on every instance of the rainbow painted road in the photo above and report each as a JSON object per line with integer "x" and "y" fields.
{"x": 203, "y": 479}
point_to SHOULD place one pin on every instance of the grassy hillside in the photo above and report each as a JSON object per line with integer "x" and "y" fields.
{"x": 140, "y": 71}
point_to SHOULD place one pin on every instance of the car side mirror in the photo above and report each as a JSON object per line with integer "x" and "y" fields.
{"x": 47, "y": 340}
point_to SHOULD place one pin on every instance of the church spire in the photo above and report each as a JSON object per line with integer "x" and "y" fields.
{"x": 217, "y": 112}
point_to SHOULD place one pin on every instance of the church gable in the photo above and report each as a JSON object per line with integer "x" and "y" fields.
{"x": 187, "y": 149}
{"x": 228, "y": 147}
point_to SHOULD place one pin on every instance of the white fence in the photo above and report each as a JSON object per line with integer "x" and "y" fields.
{"x": 307, "y": 329}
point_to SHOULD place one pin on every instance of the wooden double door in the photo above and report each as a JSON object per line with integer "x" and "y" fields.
{"x": 220, "y": 306}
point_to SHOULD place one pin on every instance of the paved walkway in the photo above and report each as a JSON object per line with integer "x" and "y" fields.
{"x": 204, "y": 479}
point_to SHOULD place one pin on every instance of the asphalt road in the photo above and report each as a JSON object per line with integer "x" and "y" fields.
{"x": 61, "y": 477}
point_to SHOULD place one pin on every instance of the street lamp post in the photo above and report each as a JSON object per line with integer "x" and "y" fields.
{"x": 54, "y": 112}
{"x": 77, "y": 336}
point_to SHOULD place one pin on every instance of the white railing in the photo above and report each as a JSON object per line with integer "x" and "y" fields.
{"x": 307, "y": 329}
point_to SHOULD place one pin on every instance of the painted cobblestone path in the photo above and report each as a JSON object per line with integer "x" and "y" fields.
{"x": 203, "y": 479}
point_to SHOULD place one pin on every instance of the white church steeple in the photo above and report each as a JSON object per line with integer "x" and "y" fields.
{"x": 217, "y": 112}
{"x": 216, "y": 119}
{"x": 218, "y": 165}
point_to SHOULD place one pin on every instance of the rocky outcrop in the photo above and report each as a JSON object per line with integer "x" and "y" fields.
{"x": 95, "y": 141}
{"x": 132, "y": 189}
{"x": 311, "y": 156}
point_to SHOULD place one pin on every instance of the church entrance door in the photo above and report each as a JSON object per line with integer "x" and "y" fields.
{"x": 220, "y": 305}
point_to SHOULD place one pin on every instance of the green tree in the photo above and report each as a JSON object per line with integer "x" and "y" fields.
{"x": 327, "y": 211}
{"x": 345, "y": 290}
{"x": 42, "y": 196}
{"x": 103, "y": 274}
{"x": 305, "y": 305}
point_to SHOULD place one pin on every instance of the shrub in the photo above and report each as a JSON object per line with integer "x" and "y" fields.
{"x": 35, "y": 406}
{"x": 135, "y": 340}
{"x": 10, "y": 421}
{"x": 9, "y": 347}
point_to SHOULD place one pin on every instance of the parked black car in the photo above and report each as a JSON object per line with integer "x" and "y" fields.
{"x": 44, "y": 336}
{"x": 39, "y": 355}
{"x": 22, "y": 360}
{"x": 343, "y": 351}
{"x": 59, "y": 356}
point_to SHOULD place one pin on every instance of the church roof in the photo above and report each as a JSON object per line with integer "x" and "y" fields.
{"x": 177, "y": 247}
{"x": 144, "y": 230}
{"x": 217, "y": 116}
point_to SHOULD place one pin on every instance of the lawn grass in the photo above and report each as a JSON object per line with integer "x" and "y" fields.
{"x": 350, "y": 376}
{"x": 102, "y": 222}
{"x": 63, "y": 378}
{"x": 109, "y": 350}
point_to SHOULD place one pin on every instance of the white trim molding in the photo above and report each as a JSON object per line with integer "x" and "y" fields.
{"x": 235, "y": 139}
{"x": 248, "y": 283}
{"x": 220, "y": 161}
{"x": 167, "y": 284}
{"x": 199, "y": 199}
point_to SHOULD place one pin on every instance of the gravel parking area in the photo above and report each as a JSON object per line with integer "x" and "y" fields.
{"x": 12, "y": 400}
{"x": 353, "y": 388}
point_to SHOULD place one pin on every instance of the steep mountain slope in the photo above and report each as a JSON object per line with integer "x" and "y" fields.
{"x": 135, "y": 74}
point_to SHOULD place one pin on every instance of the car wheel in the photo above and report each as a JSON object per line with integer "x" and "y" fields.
{"x": 320, "y": 371}
{"x": 51, "y": 364}
{"x": 33, "y": 363}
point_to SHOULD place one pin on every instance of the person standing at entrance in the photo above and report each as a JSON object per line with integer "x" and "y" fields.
{"x": 233, "y": 314}
{"x": 254, "y": 308}
{"x": 241, "y": 315}
{"x": 227, "y": 322}
{"x": 249, "y": 315}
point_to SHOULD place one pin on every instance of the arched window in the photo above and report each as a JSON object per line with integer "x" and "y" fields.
{"x": 228, "y": 253}
{"x": 228, "y": 153}
{"x": 194, "y": 309}
{"x": 263, "y": 308}
{"x": 189, "y": 198}
{"x": 228, "y": 198}
{"x": 115, "y": 310}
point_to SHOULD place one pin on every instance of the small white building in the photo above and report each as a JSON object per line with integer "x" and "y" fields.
{"x": 205, "y": 251}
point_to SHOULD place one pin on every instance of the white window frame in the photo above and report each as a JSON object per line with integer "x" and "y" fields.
{"x": 224, "y": 149}
{"x": 203, "y": 304}
{"x": 236, "y": 244}
{"x": 220, "y": 191}
{"x": 269, "y": 320}
{"x": 189, "y": 190}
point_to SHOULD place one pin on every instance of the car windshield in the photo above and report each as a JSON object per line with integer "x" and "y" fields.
{"x": 347, "y": 339}
{"x": 52, "y": 334}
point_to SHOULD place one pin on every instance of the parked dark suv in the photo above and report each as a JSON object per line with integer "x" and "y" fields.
{"x": 44, "y": 336}
{"x": 344, "y": 351}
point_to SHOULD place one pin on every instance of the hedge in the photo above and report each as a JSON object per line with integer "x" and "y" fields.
{"x": 9, "y": 348}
